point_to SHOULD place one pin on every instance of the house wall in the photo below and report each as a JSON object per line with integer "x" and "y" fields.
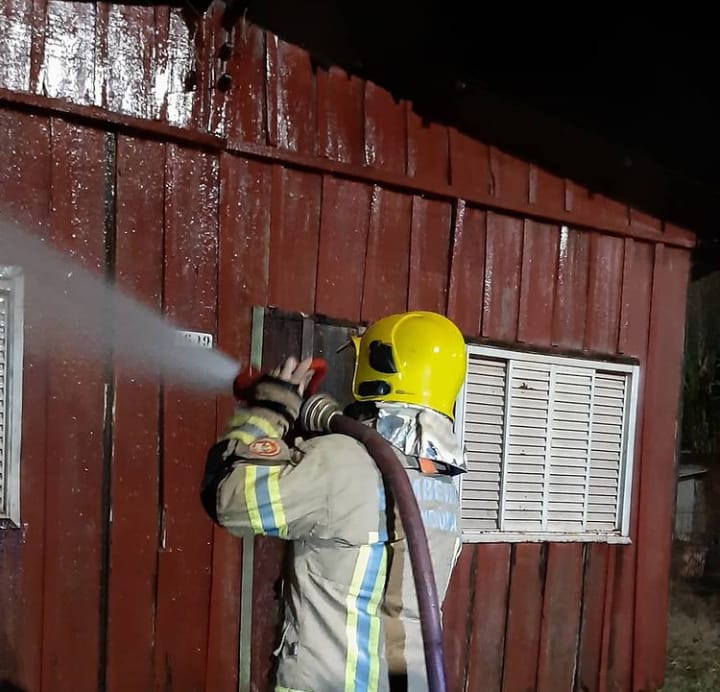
{"x": 316, "y": 192}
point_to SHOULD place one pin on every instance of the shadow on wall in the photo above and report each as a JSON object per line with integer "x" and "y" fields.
{"x": 8, "y": 686}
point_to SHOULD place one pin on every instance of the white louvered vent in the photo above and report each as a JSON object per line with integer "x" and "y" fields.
{"x": 549, "y": 445}
{"x": 484, "y": 429}
{"x": 11, "y": 343}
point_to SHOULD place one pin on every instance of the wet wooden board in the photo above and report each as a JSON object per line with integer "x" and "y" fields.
{"x": 385, "y": 130}
{"x": 503, "y": 258}
{"x": 428, "y": 149}
{"x": 525, "y": 602}
{"x": 291, "y": 98}
{"x": 135, "y": 482}
{"x": 242, "y": 283}
{"x": 429, "y": 255}
{"x": 486, "y": 646}
{"x": 294, "y": 232}
{"x": 560, "y": 617}
{"x": 604, "y": 292}
{"x": 341, "y": 115}
{"x": 190, "y": 299}
{"x": 75, "y": 525}
{"x": 457, "y": 621}
{"x": 387, "y": 261}
{"x": 467, "y": 270}
{"x": 240, "y": 110}
{"x": 342, "y": 247}
{"x": 571, "y": 290}
{"x": 469, "y": 164}
{"x": 634, "y": 332}
{"x": 26, "y": 185}
{"x": 537, "y": 284}
{"x": 655, "y": 510}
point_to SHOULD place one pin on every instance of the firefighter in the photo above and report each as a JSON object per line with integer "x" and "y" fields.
{"x": 351, "y": 619}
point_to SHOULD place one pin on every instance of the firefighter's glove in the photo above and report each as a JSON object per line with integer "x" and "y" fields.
{"x": 281, "y": 390}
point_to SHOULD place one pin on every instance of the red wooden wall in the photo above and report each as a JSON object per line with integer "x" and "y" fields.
{"x": 316, "y": 192}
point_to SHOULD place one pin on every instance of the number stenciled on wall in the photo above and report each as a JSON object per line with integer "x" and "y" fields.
{"x": 202, "y": 339}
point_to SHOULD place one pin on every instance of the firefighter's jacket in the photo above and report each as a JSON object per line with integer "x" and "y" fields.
{"x": 351, "y": 620}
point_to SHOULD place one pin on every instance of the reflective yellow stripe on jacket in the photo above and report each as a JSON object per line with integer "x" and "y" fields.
{"x": 264, "y": 504}
{"x": 362, "y": 665}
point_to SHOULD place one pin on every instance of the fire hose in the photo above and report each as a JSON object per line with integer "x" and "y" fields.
{"x": 320, "y": 413}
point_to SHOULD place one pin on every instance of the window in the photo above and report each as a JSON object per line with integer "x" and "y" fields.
{"x": 549, "y": 446}
{"x": 11, "y": 346}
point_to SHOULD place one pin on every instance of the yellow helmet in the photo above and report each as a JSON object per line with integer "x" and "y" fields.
{"x": 413, "y": 358}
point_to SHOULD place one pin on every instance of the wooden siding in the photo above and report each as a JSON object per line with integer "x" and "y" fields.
{"x": 313, "y": 191}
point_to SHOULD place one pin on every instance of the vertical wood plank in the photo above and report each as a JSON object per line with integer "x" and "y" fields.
{"x": 467, "y": 269}
{"x": 208, "y": 35}
{"x": 26, "y": 184}
{"x": 242, "y": 114}
{"x": 75, "y": 404}
{"x": 16, "y": 47}
{"x": 571, "y": 291}
{"x": 132, "y": 60}
{"x": 537, "y": 287}
{"x": 560, "y": 617}
{"x": 503, "y": 257}
{"x": 176, "y": 67}
{"x": 644, "y": 222}
{"x": 546, "y": 191}
{"x": 427, "y": 149}
{"x": 429, "y": 255}
{"x": 489, "y": 607}
{"x": 134, "y": 486}
{"x": 291, "y": 100}
{"x": 469, "y": 164}
{"x": 244, "y": 248}
{"x": 456, "y": 618}
{"x": 607, "y": 619}
{"x": 594, "y": 208}
{"x": 485, "y": 282}
{"x": 659, "y": 439}
{"x": 68, "y": 67}
{"x": 294, "y": 233}
{"x": 604, "y": 292}
{"x": 341, "y": 127}
{"x": 634, "y": 332}
{"x": 37, "y": 49}
{"x": 342, "y": 248}
{"x": 386, "y": 264}
{"x": 509, "y": 178}
{"x": 602, "y": 328}
{"x": 385, "y": 130}
{"x": 243, "y": 280}
{"x": 522, "y": 638}
{"x": 190, "y": 291}
{"x": 563, "y": 576}
{"x": 593, "y": 614}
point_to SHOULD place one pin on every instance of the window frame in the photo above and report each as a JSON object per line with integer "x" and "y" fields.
{"x": 628, "y": 366}
{"x": 12, "y": 285}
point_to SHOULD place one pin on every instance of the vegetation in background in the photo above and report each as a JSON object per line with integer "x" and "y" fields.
{"x": 701, "y": 383}
{"x": 693, "y": 653}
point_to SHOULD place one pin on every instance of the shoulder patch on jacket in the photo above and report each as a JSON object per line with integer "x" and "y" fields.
{"x": 270, "y": 449}
{"x": 265, "y": 447}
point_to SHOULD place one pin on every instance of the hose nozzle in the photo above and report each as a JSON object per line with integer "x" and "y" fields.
{"x": 317, "y": 412}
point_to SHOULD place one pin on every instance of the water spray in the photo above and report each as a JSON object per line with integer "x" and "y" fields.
{"x": 66, "y": 303}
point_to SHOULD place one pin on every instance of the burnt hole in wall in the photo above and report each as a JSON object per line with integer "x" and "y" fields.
{"x": 191, "y": 80}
